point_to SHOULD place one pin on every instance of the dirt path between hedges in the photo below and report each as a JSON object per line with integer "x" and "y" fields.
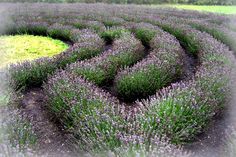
{"x": 50, "y": 138}
{"x": 213, "y": 141}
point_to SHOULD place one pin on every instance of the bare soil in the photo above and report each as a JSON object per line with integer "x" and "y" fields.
{"x": 213, "y": 141}
{"x": 51, "y": 139}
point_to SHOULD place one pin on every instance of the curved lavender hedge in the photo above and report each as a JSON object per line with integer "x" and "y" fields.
{"x": 92, "y": 116}
{"x": 162, "y": 66}
{"x": 184, "y": 109}
{"x": 126, "y": 50}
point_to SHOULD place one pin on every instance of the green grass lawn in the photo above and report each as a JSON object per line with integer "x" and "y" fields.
{"x": 19, "y": 48}
{"x": 205, "y": 8}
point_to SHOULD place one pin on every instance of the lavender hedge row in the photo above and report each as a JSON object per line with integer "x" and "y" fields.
{"x": 184, "y": 109}
{"x": 92, "y": 116}
{"x": 179, "y": 112}
{"x": 110, "y": 34}
{"x": 126, "y": 51}
{"x": 55, "y": 30}
{"x": 161, "y": 67}
{"x": 83, "y": 24}
{"x": 143, "y": 31}
{"x": 221, "y": 33}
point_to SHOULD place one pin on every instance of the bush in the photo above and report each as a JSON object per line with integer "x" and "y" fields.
{"x": 32, "y": 28}
{"x": 162, "y": 66}
{"x": 61, "y": 32}
{"x": 224, "y": 35}
{"x": 111, "y": 22}
{"x": 94, "y": 25}
{"x": 112, "y": 33}
{"x": 92, "y": 118}
{"x": 145, "y": 35}
{"x": 101, "y": 70}
{"x": 85, "y": 111}
{"x": 182, "y": 111}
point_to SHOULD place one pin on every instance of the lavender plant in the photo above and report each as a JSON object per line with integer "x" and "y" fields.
{"x": 24, "y": 27}
{"x": 125, "y": 51}
{"x": 60, "y": 31}
{"x": 91, "y": 115}
{"x": 145, "y": 33}
{"x": 162, "y": 66}
{"x": 112, "y": 21}
{"x": 110, "y": 34}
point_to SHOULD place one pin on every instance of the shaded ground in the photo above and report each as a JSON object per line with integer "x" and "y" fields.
{"x": 50, "y": 138}
{"x": 210, "y": 143}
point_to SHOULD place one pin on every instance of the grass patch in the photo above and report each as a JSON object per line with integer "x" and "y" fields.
{"x": 19, "y": 48}
{"x": 206, "y": 8}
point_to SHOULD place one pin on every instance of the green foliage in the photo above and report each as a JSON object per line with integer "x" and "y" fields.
{"x": 35, "y": 75}
{"x": 86, "y": 113}
{"x": 102, "y": 70}
{"x": 30, "y": 29}
{"x": 183, "y": 113}
{"x": 112, "y": 34}
{"x": 20, "y": 132}
{"x": 142, "y": 83}
{"x": 176, "y": 117}
{"x": 145, "y": 35}
{"x": 217, "y": 33}
{"x": 80, "y": 25}
{"x": 64, "y": 35}
{"x": 105, "y": 72}
{"x": 75, "y": 55}
{"x": 98, "y": 75}
{"x": 186, "y": 40}
{"x": 39, "y": 70}
{"x": 26, "y": 74}
{"x": 111, "y": 23}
